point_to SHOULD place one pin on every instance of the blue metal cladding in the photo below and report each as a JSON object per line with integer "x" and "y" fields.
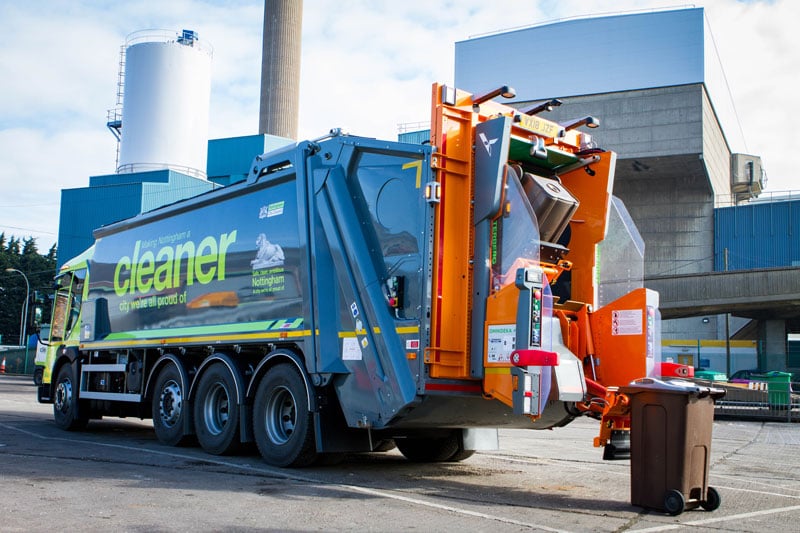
{"x": 229, "y": 159}
{"x": 415, "y": 137}
{"x": 114, "y": 197}
{"x": 760, "y": 235}
{"x": 620, "y": 53}
{"x": 88, "y": 208}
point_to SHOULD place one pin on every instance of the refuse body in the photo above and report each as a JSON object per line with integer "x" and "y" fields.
{"x": 671, "y": 425}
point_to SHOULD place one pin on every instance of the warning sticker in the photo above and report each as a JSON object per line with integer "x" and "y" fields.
{"x": 501, "y": 341}
{"x": 627, "y": 322}
{"x": 351, "y": 351}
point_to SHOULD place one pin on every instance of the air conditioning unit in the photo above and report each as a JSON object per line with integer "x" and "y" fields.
{"x": 747, "y": 175}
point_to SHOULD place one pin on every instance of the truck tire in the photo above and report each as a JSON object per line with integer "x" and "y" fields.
{"x": 430, "y": 449}
{"x": 169, "y": 412}
{"x": 216, "y": 411}
{"x": 385, "y": 445}
{"x": 65, "y": 401}
{"x": 283, "y": 425}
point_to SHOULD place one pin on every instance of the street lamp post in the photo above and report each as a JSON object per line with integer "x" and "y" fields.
{"x": 23, "y": 324}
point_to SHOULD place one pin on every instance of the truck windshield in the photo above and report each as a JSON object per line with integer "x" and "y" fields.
{"x": 515, "y": 235}
{"x": 67, "y": 304}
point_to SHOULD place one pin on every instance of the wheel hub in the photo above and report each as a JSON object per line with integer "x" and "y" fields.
{"x": 216, "y": 409}
{"x": 171, "y": 403}
{"x": 281, "y": 416}
{"x": 63, "y": 397}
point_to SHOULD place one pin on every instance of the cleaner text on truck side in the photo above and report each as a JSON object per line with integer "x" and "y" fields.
{"x": 353, "y": 293}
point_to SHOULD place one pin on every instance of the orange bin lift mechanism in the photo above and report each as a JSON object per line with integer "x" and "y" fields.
{"x": 452, "y": 135}
{"x": 625, "y": 326}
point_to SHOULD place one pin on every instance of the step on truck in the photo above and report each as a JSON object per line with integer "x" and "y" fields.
{"x": 354, "y": 294}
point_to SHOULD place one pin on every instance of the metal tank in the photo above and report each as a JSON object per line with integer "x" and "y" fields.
{"x": 166, "y": 91}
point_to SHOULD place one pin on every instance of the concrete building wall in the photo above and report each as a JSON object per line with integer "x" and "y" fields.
{"x": 642, "y": 123}
{"x": 679, "y": 230}
{"x": 663, "y": 174}
{"x": 716, "y": 153}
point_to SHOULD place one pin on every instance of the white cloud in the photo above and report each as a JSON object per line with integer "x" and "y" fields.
{"x": 366, "y": 66}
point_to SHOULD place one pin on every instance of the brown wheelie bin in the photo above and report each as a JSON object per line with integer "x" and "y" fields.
{"x": 671, "y": 423}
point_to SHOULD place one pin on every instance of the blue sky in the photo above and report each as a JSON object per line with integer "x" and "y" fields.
{"x": 59, "y": 62}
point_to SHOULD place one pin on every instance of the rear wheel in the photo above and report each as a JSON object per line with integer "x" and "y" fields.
{"x": 169, "y": 413}
{"x": 65, "y": 401}
{"x": 431, "y": 449}
{"x": 283, "y": 425}
{"x": 461, "y": 454}
{"x": 216, "y": 411}
{"x": 385, "y": 445}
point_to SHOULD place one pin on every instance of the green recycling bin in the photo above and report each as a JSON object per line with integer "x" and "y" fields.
{"x": 710, "y": 375}
{"x": 778, "y": 388}
{"x": 671, "y": 424}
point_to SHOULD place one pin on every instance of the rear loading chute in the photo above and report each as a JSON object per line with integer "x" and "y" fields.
{"x": 525, "y": 209}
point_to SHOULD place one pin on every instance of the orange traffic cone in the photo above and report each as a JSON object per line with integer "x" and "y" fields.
{"x": 3, "y": 366}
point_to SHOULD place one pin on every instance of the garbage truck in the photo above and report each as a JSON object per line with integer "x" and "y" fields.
{"x": 354, "y": 294}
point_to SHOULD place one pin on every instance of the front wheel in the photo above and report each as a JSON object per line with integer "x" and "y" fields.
{"x": 169, "y": 411}
{"x": 216, "y": 411}
{"x": 65, "y": 401}
{"x": 283, "y": 425}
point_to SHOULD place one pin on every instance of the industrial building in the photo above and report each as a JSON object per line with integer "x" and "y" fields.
{"x": 656, "y": 84}
{"x": 161, "y": 125}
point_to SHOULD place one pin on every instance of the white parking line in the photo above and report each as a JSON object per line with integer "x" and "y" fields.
{"x": 719, "y": 519}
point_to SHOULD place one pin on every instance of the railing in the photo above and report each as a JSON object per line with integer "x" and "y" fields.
{"x": 149, "y": 167}
{"x": 168, "y": 36}
{"x": 776, "y": 402}
{"x": 730, "y": 200}
{"x": 16, "y": 361}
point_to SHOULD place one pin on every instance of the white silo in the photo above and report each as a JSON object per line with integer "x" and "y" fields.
{"x": 165, "y": 99}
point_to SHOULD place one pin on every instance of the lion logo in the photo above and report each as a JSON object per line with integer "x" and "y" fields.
{"x": 269, "y": 255}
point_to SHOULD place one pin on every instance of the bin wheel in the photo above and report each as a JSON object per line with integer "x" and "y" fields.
{"x": 713, "y": 499}
{"x": 674, "y": 502}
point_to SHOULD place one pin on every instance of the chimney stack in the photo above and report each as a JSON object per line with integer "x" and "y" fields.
{"x": 280, "y": 68}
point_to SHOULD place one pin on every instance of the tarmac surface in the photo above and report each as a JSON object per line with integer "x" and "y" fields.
{"x": 116, "y": 476}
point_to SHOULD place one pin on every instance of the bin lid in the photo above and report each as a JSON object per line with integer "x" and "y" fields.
{"x": 773, "y": 375}
{"x": 675, "y": 386}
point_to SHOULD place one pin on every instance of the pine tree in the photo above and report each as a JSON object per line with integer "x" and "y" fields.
{"x": 22, "y": 255}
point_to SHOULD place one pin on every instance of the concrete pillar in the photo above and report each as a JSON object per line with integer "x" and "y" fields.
{"x": 280, "y": 68}
{"x": 772, "y": 337}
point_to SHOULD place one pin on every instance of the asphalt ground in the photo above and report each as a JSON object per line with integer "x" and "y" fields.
{"x": 116, "y": 476}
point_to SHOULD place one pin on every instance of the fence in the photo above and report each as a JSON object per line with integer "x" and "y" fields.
{"x": 774, "y": 402}
{"x": 16, "y": 361}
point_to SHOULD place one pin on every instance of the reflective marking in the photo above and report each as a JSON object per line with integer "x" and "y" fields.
{"x": 418, "y": 164}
